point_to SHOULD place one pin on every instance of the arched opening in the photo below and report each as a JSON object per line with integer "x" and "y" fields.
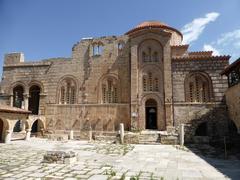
{"x": 34, "y": 98}
{"x": 1, "y": 130}
{"x": 202, "y": 130}
{"x": 18, "y": 96}
{"x": 151, "y": 114}
{"x": 37, "y": 128}
{"x": 18, "y": 126}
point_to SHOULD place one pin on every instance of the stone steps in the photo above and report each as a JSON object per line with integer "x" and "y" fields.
{"x": 151, "y": 138}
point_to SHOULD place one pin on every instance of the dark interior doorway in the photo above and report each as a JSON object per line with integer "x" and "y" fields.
{"x": 34, "y": 99}
{"x": 35, "y": 127}
{"x": 18, "y": 96}
{"x": 18, "y": 126}
{"x": 1, "y": 130}
{"x": 151, "y": 114}
{"x": 202, "y": 129}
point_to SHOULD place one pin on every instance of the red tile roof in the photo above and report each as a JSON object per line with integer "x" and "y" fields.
{"x": 201, "y": 57}
{"x": 152, "y": 25}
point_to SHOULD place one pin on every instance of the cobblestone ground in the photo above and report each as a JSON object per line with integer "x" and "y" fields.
{"x": 99, "y": 161}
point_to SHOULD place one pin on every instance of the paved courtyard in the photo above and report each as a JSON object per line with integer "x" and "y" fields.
{"x": 99, "y": 161}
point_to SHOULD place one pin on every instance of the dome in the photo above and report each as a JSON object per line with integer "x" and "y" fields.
{"x": 152, "y": 25}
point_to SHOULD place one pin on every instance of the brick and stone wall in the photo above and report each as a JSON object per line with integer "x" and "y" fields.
{"x": 194, "y": 113}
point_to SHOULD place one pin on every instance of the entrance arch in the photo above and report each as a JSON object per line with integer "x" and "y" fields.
{"x": 1, "y": 130}
{"x": 37, "y": 127}
{"x": 34, "y": 99}
{"x": 151, "y": 114}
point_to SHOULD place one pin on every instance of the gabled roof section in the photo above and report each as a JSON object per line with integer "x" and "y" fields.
{"x": 229, "y": 68}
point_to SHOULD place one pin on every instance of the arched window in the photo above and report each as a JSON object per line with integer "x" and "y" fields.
{"x": 97, "y": 49}
{"x": 150, "y": 54}
{"x": 198, "y": 88}
{"x": 150, "y": 82}
{"x": 67, "y": 91}
{"x": 109, "y": 91}
{"x": 18, "y": 96}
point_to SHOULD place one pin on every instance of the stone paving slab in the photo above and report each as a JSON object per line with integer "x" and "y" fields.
{"x": 23, "y": 160}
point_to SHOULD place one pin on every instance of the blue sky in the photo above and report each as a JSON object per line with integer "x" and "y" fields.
{"x": 49, "y": 28}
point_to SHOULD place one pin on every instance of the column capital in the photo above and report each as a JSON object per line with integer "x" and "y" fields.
{"x": 26, "y": 95}
{"x": 28, "y": 130}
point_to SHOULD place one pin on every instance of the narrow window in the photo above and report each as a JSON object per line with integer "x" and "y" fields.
{"x": 68, "y": 93}
{"x": 144, "y": 57}
{"x": 191, "y": 92}
{"x": 62, "y": 99}
{"x": 144, "y": 84}
{"x": 150, "y": 82}
{"x": 72, "y": 99}
{"x": 109, "y": 91}
{"x": 115, "y": 95}
{"x": 155, "y": 57}
{"x": 156, "y": 88}
{"x": 104, "y": 93}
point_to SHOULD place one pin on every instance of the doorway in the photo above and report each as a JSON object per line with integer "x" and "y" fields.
{"x": 34, "y": 99}
{"x": 151, "y": 114}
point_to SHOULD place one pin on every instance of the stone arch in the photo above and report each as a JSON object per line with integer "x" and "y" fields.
{"x": 161, "y": 123}
{"x": 4, "y": 126}
{"x": 116, "y": 84}
{"x": 148, "y": 48}
{"x": 192, "y": 93}
{"x": 37, "y": 126}
{"x": 17, "y": 127}
{"x": 37, "y": 83}
{"x": 18, "y": 83}
{"x": 66, "y": 94}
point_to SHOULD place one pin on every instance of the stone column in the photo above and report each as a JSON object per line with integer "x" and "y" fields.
{"x": 11, "y": 100}
{"x": 26, "y": 96}
{"x": 181, "y": 134}
{"x": 8, "y": 136}
{"x": 23, "y": 126}
{"x": 122, "y": 133}
{"x": 28, "y": 134}
{"x": 71, "y": 135}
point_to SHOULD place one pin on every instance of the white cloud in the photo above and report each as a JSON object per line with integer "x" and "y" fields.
{"x": 192, "y": 30}
{"x": 230, "y": 38}
{"x": 227, "y": 44}
{"x": 208, "y": 47}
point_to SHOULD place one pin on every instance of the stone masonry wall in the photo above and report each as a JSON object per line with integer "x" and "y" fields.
{"x": 194, "y": 113}
{"x": 233, "y": 102}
